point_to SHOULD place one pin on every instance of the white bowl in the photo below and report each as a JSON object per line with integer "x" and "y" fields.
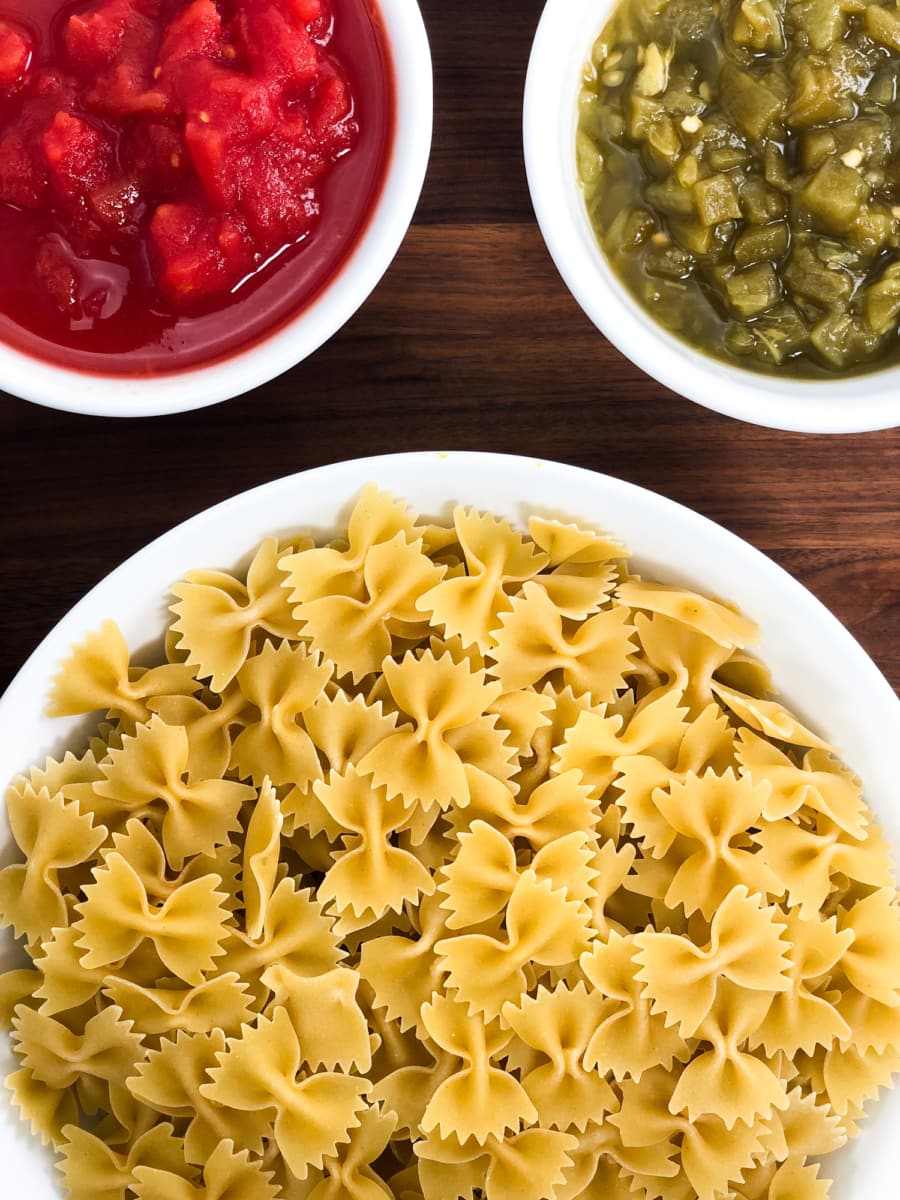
{"x": 135, "y": 396}
{"x": 562, "y": 46}
{"x": 821, "y": 671}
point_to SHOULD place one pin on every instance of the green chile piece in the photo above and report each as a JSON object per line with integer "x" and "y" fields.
{"x": 762, "y": 243}
{"x": 881, "y": 302}
{"x": 753, "y": 290}
{"x": 716, "y": 199}
{"x": 835, "y": 195}
{"x": 750, "y": 102}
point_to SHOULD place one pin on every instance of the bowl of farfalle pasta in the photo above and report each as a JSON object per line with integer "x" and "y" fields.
{"x": 437, "y": 826}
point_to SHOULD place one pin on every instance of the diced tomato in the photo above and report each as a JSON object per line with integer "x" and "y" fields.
{"x": 201, "y": 254}
{"x": 94, "y": 38}
{"x": 330, "y": 107}
{"x": 305, "y": 10}
{"x": 278, "y": 49}
{"x": 56, "y": 275}
{"x": 114, "y": 206}
{"x": 15, "y": 54}
{"x": 277, "y": 197}
{"x": 196, "y": 32}
{"x": 78, "y": 156}
{"x": 129, "y": 84}
{"x": 158, "y": 157}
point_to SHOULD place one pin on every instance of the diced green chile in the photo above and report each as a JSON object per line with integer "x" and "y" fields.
{"x": 741, "y": 167}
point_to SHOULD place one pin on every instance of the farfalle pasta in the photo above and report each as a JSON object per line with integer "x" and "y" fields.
{"x": 445, "y": 862}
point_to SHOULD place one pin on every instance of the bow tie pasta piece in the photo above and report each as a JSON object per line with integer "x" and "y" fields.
{"x": 168, "y": 1082}
{"x": 559, "y": 1024}
{"x": 799, "y": 1018}
{"x": 345, "y": 728}
{"x": 350, "y": 1174}
{"x": 746, "y": 946}
{"x": 370, "y": 876}
{"x": 314, "y": 574}
{"x": 445, "y": 863}
{"x": 262, "y": 855}
{"x": 871, "y": 960}
{"x": 477, "y": 1100}
{"x": 820, "y": 784}
{"x": 259, "y": 1071}
{"x": 557, "y": 807}
{"x": 629, "y": 1038}
{"x": 106, "y": 1049}
{"x": 53, "y": 835}
{"x": 768, "y": 717}
{"x": 677, "y": 657}
{"x": 807, "y": 861}
{"x": 405, "y": 972}
{"x": 528, "y": 1166}
{"x": 210, "y": 727}
{"x": 295, "y": 934}
{"x": 98, "y": 676}
{"x": 478, "y": 883}
{"x": 217, "y": 615}
{"x": 873, "y": 1026}
{"x": 226, "y": 1176}
{"x": 281, "y": 683}
{"x": 715, "y": 812}
{"x": 355, "y": 633}
{"x": 852, "y": 1077}
{"x": 224, "y": 1002}
{"x": 417, "y": 761}
{"x": 542, "y": 926}
{"x": 93, "y": 1170}
{"x": 713, "y": 620}
{"x": 497, "y": 558}
{"x": 187, "y": 930}
{"x": 147, "y": 776}
{"x": 532, "y": 644}
{"x": 584, "y": 566}
{"x": 726, "y": 1081}
{"x": 595, "y": 742}
{"x": 327, "y": 1018}
{"x": 712, "y": 1157}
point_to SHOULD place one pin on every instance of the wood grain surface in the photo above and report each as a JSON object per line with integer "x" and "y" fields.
{"x": 470, "y": 342}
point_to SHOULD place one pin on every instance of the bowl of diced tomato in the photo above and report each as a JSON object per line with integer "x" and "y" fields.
{"x": 196, "y": 194}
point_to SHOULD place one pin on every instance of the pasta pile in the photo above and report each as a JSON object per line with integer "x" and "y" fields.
{"x": 445, "y": 862}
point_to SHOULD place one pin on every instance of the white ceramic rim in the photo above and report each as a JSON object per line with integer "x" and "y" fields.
{"x": 561, "y": 48}
{"x": 825, "y": 673}
{"x": 144, "y": 396}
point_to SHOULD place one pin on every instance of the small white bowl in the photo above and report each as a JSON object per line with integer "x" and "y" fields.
{"x": 144, "y": 396}
{"x": 562, "y": 46}
{"x": 821, "y": 671}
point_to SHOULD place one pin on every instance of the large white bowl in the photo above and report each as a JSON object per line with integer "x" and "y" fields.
{"x": 562, "y": 47}
{"x": 136, "y": 396}
{"x": 818, "y": 666}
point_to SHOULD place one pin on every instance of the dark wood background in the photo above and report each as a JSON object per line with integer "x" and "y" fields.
{"x": 470, "y": 342}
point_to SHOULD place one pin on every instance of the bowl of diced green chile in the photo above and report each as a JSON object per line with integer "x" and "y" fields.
{"x": 719, "y": 186}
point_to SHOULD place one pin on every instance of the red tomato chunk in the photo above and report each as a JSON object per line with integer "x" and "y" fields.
{"x": 15, "y": 54}
{"x": 187, "y": 140}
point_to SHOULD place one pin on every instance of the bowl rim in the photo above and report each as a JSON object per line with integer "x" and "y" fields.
{"x": 561, "y": 47}
{"x": 51, "y": 385}
{"x": 687, "y": 547}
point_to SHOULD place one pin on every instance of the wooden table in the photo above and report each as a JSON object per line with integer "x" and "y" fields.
{"x": 470, "y": 342}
